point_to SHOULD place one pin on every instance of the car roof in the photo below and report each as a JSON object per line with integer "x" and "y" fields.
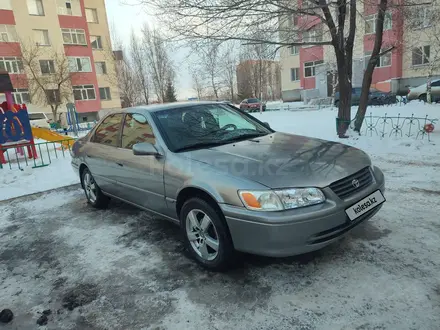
{"x": 167, "y": 106}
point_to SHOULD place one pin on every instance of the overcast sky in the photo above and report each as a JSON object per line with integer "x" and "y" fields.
{"x": 125, "y": 16}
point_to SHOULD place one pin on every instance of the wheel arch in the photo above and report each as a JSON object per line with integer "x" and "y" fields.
{"x": 192, "y": 191}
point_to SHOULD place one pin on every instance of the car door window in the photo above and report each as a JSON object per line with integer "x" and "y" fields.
{"x": 436, "y": 84}
{"x": 136, "y": 130}
{"x": 108, "y": 132}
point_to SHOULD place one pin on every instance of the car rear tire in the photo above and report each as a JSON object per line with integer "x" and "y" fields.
{"x": 94, "y": 195}
{"x": 206, "y": 235}
{"x": 337, "y": 104}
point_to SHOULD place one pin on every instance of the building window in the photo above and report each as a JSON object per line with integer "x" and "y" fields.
{"x": 79, "y": 64}
{"x": 421, "y": 55}
{"x": 8, "y": 33}
{"x": 100, "y": 68}
{"x": 384, "y": 60}
{"x": 5, "y": 4}
{"x": 11, "y": 64}
{"x": 47, "y": 66}
{"x": 74, "y": 36}
{"x": 53, "y": 96}
{"x": 21, "y": 96}
{"x": 42, "y": 37}
{"x": 96, "y": 42}
{"x": 294, "y": 74}
{"x": 370, "y": 23}
{"x": 84, "y": 92}
{"x": 69, "y": 7}
{"x": 35, "y": 7}
{"x": 104, "y": 93}
{"x": 91, "y": 15}
{"x": 422, "y": 17}
{"x": 310, "y": 68}
{"x": 294, "y": 50}
{"x": 312, "y": 35}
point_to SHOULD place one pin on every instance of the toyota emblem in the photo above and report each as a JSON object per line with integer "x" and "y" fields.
{"x": 355, "y": 183}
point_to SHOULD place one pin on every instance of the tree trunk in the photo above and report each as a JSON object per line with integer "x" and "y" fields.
{"x": 54, "y": 114}
{"x": 365, "y": 93}
{"x": 345, "y": 88}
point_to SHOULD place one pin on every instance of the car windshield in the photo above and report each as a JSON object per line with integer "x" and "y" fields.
{"x": 206, "y": 125}
{"x": 253, "y": 100}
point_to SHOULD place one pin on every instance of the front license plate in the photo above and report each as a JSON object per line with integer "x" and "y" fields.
{"x": 365, "y": 205}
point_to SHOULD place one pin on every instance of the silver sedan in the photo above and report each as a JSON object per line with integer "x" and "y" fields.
{"x": 228, "y": 180}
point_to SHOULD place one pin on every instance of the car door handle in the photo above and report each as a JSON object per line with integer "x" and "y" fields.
{"x": 120, "y": 164}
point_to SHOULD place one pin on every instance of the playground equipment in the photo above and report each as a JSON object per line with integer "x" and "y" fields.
{"x": 15, "y": 127}
{"x": 48, "y": 135}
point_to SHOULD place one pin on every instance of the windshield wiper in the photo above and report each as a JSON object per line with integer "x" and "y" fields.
{"x": 201, "y": 145}
{"x": 246, "y": 136}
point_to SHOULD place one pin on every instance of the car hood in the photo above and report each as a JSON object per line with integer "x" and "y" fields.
{"x": 281, "y": 160}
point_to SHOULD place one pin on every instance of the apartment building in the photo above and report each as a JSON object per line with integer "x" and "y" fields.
{"x": 69, "y": 35}
{"x": 308, "y": 70}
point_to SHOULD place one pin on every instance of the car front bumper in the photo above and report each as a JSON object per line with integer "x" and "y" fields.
{"x": 292, "y": 232}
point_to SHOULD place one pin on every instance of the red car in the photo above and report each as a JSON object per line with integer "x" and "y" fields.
{"x": 251, "y": 105}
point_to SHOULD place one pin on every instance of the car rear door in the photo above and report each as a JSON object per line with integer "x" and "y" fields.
{"x": 100, "y": 153}
{"x": 140, "y": 177}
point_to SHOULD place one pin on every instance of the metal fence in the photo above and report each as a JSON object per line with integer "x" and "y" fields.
{"x": 46, "y": 151}
{"x": 387, "y": 126}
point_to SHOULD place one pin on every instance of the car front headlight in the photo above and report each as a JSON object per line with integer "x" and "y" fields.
{"x": 281, "y": 199}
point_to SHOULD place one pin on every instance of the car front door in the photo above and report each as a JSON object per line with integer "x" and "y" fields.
{"x": 100, "y": 153}
{"x": 140, "y": 177}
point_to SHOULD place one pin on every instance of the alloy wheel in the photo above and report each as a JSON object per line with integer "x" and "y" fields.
{"x": 202, "y": 234}
{"x": 90, "y": 187}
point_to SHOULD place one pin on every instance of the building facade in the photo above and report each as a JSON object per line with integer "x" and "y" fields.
{"x": 41, "y": 39}
{"x": 413, "y": 37}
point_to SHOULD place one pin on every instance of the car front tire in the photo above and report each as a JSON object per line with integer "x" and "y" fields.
{"x": 94, "y": 195}
{"x": 206, "y": 235}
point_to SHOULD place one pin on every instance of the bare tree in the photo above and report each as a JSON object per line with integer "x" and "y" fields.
{"x": 284, "y": 23}
{"x": 138, "y": 53}
{"x": 48, "y": 76}
{"x": 210, "y": 56}
{"x": 229, "y": 67}
{"x": 158, "y": 61}
{"x": 197, "y": 81}
{"x": 130, "y": 88}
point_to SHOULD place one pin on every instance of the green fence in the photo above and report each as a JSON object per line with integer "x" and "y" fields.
{"x": 46, "y": 151}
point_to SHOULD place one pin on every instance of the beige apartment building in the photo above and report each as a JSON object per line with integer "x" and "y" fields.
{"x": 64, "y": 46}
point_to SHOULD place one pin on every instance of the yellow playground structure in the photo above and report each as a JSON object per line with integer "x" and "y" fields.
{"x": 48, "y": 135}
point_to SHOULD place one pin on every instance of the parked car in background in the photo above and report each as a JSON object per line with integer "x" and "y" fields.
{"x": 228, "y": 180}
{"x": 39, "y": 119}
{"x": 375, "y": 97}
{"x": 251, "y": 105}
{"x": 419, "y": 92}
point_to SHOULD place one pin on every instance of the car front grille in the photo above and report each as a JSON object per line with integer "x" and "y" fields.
{"x": 352, "y": 184}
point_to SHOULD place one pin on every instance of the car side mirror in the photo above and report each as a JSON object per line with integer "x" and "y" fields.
{"x": 266, "y": 124}
{"x": 145, "y": 149}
